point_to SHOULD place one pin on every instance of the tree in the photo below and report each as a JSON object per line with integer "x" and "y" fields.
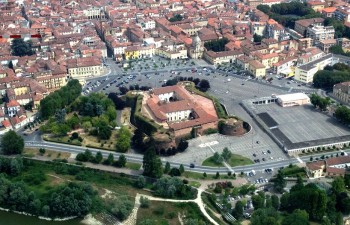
{"x": 183, "y": 145}
{"x": 298, "y": 217}
{"x": 258, "y": 201}
{"x": 122, "y": 160}
{"x": 42, "y": 151}
{"x": 152, "y": 165}
{"x": 144, "y": 202}
{"x": 204, "y": 174}
{"x": 338, "y": 185}
{"x": 176, "y": 18}
{"x": 257, "y": 38}
{"x": 98, "y": 157}
{"x": 204, "y": 85}
{"x": 275, "y": 202}
{"x": 182, "y": 169}
{"x": 123, "y": 141}
{"x": 264, "y": 216}
{"x": 226, "y": 154}
{"x": 217, "y": 158}
{"x": 11, "y": 143}
{"x": 217, "y": 175}
{"x": 238, "y": 212}
{"x": 279, "y": 182}
{"x": 174, "y": 172}
{"x": 326, "y": 221}
{"x": 167, "y": 168}
{"x": 339, "y": 219}
{"x": 19, "y": 47}
{"x": 109, "y": 160}
{"x": 141, "y": 182}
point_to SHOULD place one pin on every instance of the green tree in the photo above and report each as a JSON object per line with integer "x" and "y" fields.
{"x": 12, "y": 143}
{"x": 226, "y": 154}
{"x": 217, "y": 158}
{"x": 124, "y": 139}
{"x": 167, "y": 168}
{"x": 238, "y": 212}
{"x": 338, "y": 185}
{"x": 144, "y": 202}
{"x": 19, "y": 47}
{"x": 258, "y": 201}
{"x": 204, "y": 85}
{"x": 98, "y": 157}
{"x": 141, "y": 182}
{"x": 152, "y": 165}
{"x": 217, "y": 175}
{"x": 298, "y": 217}
{"x": 264, "y": 216}
{"x": 109, "y": 160}
{"x": 182, "y": 169}
{"x": 279, "y": 182}
{"x": 257, "y": 38}
{"x": 42, "y": 151}
{"x": 275, "y": 202}
{"x": 122, "y": 160}
{"x": 326, "y": 221}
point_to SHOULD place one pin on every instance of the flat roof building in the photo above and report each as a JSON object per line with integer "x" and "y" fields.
{"x": 294, "y": 99}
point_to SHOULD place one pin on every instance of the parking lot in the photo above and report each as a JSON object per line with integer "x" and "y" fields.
{"x": 303, "y": 123}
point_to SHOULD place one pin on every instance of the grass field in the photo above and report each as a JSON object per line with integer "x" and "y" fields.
{"x": 235, "y": 160}
{"x": 31, "y": 152}
{"x": 159, "y": 213}
{"x": 293, "y": 171}
{"x": 199, "y": 176}
{"x": 133, "y": 166}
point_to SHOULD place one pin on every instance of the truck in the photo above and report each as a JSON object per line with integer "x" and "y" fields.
{"x": 253, "y": 172}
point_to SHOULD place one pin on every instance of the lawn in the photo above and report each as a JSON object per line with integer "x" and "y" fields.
{"x": 293, "y": 171}
{"x": 235, "y": 160}
{"x": 89, "y": 141}
{"x": 133, "y": 166}
{"x": 199, "y": 176}
{"x": 168, "y": 213}
{"x": 31, "y": 152}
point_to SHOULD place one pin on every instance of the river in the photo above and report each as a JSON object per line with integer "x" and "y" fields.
{"x": 9, "y": 218}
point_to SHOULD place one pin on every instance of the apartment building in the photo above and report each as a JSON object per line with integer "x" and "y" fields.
{"x": 306, "y": 72}
{"x": 342, "y": 91}
{"x": 342, "y": 13}
{"x": 81, "y": 68}
{"x": 217, "y": 58}
{"x": 320, "y": 33}
{"x": 302, "y": 25}
{"x": 256, "y": 68}
{"x": 326, "y": 44}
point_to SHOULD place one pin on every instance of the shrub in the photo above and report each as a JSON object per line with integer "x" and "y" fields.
{"x": 144, "y": 202}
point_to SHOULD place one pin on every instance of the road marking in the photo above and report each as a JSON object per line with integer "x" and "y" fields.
{"x": 208, "y": 144}
{"x": 299, "y": 159}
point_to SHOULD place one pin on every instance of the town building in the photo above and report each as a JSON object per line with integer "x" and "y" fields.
{"x": 295, "y": 99}
{"x": 217, "y": 58}
{"x": 82, "y": 68}
{"x": 341, "y": 91}
{"x": 302, "y": 25}
{"x": 331, "y": 167}
{"x": 320, "y": 33}
{"x": 306, "y": 72}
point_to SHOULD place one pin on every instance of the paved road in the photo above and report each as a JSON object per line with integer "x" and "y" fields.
{"x": 138, "y": 158}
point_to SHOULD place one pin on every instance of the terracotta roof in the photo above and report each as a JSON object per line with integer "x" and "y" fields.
{"x": 12, "y": 103}
{"x": 315, "y": 165}
{"x": 334, "y": 170}
{"x": 338, "y": 160}
{"x": 6, "y": 123}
